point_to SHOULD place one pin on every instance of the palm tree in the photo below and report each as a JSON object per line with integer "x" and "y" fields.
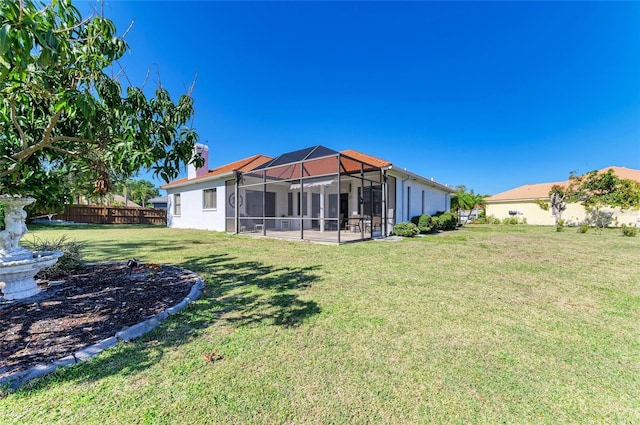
{"x": 467, "y": 201}
{"x": 143, "y": 190}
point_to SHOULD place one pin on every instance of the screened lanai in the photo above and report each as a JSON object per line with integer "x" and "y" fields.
{"x": 314, "y": 194}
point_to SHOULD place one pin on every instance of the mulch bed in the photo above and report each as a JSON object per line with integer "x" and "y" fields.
{"x": 90, "y": 305}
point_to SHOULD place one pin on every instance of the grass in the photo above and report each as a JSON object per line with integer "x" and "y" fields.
{"x": 487, "y": 324}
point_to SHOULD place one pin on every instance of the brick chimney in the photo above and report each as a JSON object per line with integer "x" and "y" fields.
{"x": 203, "y": 150}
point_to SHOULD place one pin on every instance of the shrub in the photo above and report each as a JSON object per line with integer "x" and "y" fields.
{"x": 416, "y": 219}
{"x": 560, "y": 225}
{"x": 584, "y": 228}
{"x": 71, "y": 255}
{"x": 427, "y": 224}
{"x": 495, "y": 220}
{"x": 629, "y": 231}
{"x": 447, "y": 221}
{"x": 510, "y": 220}
{"x": 406, "y": 229}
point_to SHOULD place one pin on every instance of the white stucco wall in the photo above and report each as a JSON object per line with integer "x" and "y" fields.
{"x": 434, "y": 199}
{"x": 192, "y": 215}
{"x": 575, "y": 214}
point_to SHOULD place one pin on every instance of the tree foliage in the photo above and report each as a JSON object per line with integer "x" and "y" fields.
{"x": 138, "y": 191}
{"x": 595, "y": 190}
{"x": 462, "y": 200}
{"x": 65, "y": 111}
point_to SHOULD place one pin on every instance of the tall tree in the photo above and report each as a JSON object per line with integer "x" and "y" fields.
{"x": 463, "y": 201}
{"x": 63, "y": 108}
{"x": 594, "y": 190}
{"x": 144, "y": 190}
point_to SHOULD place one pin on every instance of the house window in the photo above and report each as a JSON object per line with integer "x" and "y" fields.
{"x": 409, "y": 204}
{"x": 290, "y": 204}
{"x": 176, "y": 204}
{"x": 209, "y": 199}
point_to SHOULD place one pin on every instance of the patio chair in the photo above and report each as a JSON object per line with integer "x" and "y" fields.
{"x": 376, "y": 223}
{"x": 354, "y": 223}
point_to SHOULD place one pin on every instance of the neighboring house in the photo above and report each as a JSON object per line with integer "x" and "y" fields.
{"x": 158, "y": 202}
{"x": 312, "y": 194}
{"x": 522, "y": 203}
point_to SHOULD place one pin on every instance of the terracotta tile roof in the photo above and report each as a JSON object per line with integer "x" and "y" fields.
{"x": 241, "y": 165}
{"x": 541, "y": 190}
{"x": 377, "y": 162}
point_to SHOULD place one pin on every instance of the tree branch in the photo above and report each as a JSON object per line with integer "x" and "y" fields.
{"x": 51, "y": 125}
{"x": 78, "y": 25}
{"x": 193, "y": 85}
{"x": 73, "y": 139}
{"x": 9, "y": 170}
{"x": 128, "y": 29}
{"x": 16, "y": 124}
{"x": 64, "y": 151}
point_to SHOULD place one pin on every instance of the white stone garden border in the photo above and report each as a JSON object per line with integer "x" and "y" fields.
{"x": 17, "y": 379}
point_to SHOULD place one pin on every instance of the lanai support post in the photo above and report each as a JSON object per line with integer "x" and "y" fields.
{"x": 339, "y": 197}
{"x": 236, "y": 209}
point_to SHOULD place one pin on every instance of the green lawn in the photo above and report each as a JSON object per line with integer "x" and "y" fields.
{"x": 514, "y": 324}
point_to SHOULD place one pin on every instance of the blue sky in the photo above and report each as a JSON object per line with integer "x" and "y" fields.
{"x": 491, "y": 95}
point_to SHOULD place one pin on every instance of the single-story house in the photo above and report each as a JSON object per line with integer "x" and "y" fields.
{"x": 158, "y": 202}
{"x": 313, "y": 194}
{"x": 523, "y": 202}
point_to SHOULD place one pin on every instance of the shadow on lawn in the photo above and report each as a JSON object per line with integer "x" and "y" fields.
{"x": 236, "y": 294}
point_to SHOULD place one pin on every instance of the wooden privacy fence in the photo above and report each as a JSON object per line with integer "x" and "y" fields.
{"x": 96, "y": 214}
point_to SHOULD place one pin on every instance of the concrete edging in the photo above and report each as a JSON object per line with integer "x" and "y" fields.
{"x": 17, "y": 379}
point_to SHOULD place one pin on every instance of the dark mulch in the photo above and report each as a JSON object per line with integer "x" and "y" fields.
{"x": 91, "y": 305}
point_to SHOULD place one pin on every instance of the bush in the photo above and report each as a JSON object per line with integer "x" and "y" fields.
{"x": 584, "y": 228}
{"x": 560, "y": 225}
{"x": 426, "y": 224}
{"x": 416, "y": 219}
{"x": 447, "y": 221}
{"x": 510, "y": 220}
{"x": 406, "y": 229}
{"x": 629, "y": 231}
{"x": 72, "y": 256}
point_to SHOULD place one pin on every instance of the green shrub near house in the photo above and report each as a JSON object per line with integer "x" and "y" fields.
{"x": 447, "y": 221}
{"x": 406, "y": 229}
{"x": 427, "y": 224}
{"x": 629, "y": 231}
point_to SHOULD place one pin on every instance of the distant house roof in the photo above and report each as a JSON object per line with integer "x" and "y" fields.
{"x": 528, "y": 191}
{"x": 541, "y": 190}
{"x": 158, "y": 200}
